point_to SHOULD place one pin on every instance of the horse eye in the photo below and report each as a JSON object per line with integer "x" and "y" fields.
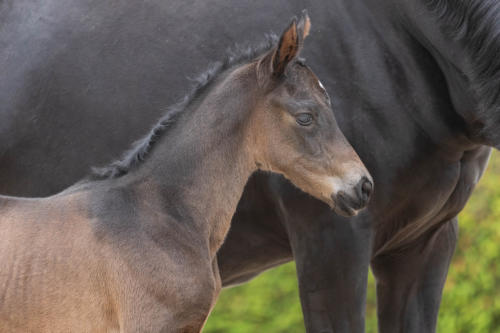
{"x": 304, "y": 119}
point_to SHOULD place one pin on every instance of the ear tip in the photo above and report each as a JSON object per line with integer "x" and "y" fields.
{"x": 304, "y": 17}
{"x": 305, "y": 23}
{"x": 292, "y": 27}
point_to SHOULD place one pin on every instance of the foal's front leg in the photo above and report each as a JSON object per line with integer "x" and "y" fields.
{"x": 154, "y": 317}
{"x": 182, "y": 307}
{"x": 207, "y": 298}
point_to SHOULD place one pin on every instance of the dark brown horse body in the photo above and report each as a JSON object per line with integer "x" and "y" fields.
{"x": 135, "y": 251}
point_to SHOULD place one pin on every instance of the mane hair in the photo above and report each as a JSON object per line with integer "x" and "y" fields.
{"x": 141, "y": 148}
{"x": 476, "y": 25}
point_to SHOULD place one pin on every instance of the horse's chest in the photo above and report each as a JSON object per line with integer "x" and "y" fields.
{"x": 472, "y": 167}
{"x": 433, "y": 195}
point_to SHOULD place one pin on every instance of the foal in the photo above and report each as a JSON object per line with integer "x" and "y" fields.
{"x": 135, "y": 251}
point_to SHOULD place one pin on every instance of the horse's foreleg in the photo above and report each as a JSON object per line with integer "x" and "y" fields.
{"x": 410, "y": 283}
{"x": 332, "y": 256}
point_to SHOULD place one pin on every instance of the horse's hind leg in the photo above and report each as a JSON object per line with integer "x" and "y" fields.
{"x": 410, "y": 284}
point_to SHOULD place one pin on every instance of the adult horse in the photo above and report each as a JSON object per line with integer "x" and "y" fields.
{"x": 414, "y": 86}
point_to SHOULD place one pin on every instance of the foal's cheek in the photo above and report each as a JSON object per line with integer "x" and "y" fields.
{"x": 312, "y": 147}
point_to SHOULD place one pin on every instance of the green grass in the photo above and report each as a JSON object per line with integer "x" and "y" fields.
{"x": 471, "y": 301}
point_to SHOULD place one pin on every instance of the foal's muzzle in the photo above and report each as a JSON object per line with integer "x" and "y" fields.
{"x": 348, "y": 204}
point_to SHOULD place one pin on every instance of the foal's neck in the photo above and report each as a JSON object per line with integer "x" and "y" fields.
{"x": 199, "y": 170}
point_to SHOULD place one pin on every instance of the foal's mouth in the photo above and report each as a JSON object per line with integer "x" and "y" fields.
{"x": 345, "y": 205}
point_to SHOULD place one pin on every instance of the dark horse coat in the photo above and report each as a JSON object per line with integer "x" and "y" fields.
{"x": 414, "y": 86}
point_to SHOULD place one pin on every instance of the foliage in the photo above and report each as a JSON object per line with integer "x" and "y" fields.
{"x": 269, "y": 303}
{"x": 471, "y": 301}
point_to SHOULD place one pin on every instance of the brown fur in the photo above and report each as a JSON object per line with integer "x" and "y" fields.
{"x": 138, "y": 253}
{"x": 288, "y": 48}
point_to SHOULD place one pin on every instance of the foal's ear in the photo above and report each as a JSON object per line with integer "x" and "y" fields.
{"x": 304, "y": 25}
{"x": 289, "y": 45}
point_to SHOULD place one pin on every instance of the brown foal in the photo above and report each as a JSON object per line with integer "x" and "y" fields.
{"x": 136, "y": 252}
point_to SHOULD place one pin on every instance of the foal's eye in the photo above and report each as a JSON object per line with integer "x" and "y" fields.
{"x": 304, "y": 119}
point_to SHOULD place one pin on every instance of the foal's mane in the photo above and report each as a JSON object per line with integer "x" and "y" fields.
{"x": 476, "y": 25}
{"x": 141, "y": 148}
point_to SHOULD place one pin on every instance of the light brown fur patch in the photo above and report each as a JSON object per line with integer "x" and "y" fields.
{"x": 307, "y": 26}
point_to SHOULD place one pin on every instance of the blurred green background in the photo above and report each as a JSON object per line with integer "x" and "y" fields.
{"x": 471, "y": 301}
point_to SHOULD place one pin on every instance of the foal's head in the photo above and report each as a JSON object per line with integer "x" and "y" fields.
{"x": 297, "y": 134}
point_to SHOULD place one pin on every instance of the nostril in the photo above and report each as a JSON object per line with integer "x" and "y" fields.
{"x": 366, "y": 189}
